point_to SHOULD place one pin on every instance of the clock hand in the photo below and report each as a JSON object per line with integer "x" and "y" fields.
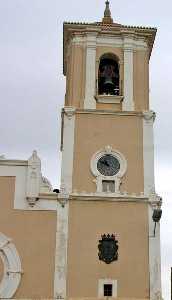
{"x": 105, "y": 163}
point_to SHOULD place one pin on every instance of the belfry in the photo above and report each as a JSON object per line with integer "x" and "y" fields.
{"x": 108, "y": 144}
{"x": 99, "y": 235}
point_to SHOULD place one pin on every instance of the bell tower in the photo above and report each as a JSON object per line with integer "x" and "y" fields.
{"x": 110, "y": 245}
{"x": 98, "y": 52}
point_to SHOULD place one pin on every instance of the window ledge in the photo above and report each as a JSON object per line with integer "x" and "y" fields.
{"x": 109, "y": 99}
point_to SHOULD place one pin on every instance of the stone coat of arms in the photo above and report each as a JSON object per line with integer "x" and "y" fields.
{"x": 108, "y": 248}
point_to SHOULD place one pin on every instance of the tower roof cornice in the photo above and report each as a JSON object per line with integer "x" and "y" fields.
{"x": 72, "y": 29}
{"x": 76, "y": 25}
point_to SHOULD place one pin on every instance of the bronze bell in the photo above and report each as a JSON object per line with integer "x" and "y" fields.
{"x": 108, "y": 79}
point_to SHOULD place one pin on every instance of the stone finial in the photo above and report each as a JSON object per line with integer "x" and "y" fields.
{"x": 33, "y": 179}
{"x": 107, "y": 15}
{"x": 34, "y": 159}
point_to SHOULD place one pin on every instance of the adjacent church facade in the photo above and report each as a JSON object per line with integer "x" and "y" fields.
{"x": 99, "y": 235}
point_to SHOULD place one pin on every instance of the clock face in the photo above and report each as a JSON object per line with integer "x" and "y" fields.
{"x": 108, "y": 165}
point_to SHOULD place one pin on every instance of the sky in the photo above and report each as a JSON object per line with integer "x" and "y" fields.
{"x": 32, "y": 86}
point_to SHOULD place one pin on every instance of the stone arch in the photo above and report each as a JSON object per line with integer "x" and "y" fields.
{"x": 109, "y": 75}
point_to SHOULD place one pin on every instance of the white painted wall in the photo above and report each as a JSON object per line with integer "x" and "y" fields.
{"x": 26, "y": 185}
{"x": 20, "y": 174}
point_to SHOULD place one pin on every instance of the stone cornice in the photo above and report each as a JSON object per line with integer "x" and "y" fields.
{"x": 100, "y": 25}
{"x": 83, "y": 196}
{"x": 147, "y": 114}
{"x": 48, "y": 196}
{"x": 13, "y": 162}
{"x": 153, "y": 199}
{"x": 71, "y": 111}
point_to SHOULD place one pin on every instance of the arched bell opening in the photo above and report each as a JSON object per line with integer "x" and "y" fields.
{"x": 108, "y": 75}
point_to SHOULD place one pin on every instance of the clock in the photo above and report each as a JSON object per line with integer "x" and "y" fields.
{"x": 108, "y": 165}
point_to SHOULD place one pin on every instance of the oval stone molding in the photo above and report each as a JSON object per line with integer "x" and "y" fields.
{"x": 12, "y": 267}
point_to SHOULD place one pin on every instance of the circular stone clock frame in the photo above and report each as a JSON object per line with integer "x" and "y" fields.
{"x": 12, "y": 268}
{"x": 122, "y": 167}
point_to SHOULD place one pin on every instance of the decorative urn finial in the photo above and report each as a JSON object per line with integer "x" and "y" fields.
{"x": 107, "y": 14}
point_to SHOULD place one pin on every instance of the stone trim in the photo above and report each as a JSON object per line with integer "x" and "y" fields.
{"x": 117, "y": 42}
{"x": 108, "y": 150}
{"x": 60, "y": 275}
{"x": 68, "y": 149}
{"x": 48, "y": 196}
{"x": 13, "y": 162}
{"x": 128, "y": 103}
{"x": 148, "y": 152}
{"x": 154, "y": 250}
{"x": 108, "y": 197}
{"x": 89, "y": 101}
{"x": 110, "y": 112}
{"x": 109, "y": 99}
{"x": 69, "y": 111}
{"x": 149, "y": 116}
{"x": 61, "y": 249}
{"x": 154, "y": 201}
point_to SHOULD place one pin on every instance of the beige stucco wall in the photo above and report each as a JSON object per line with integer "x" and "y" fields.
{"x": 75, "y": 79}
{"x": 141, "y": 80}
{"x": 33, "y": 233}
{"x": 87, "y": 221}
{"x": 95, "y": 131}
{"x": 109, "y": 106}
